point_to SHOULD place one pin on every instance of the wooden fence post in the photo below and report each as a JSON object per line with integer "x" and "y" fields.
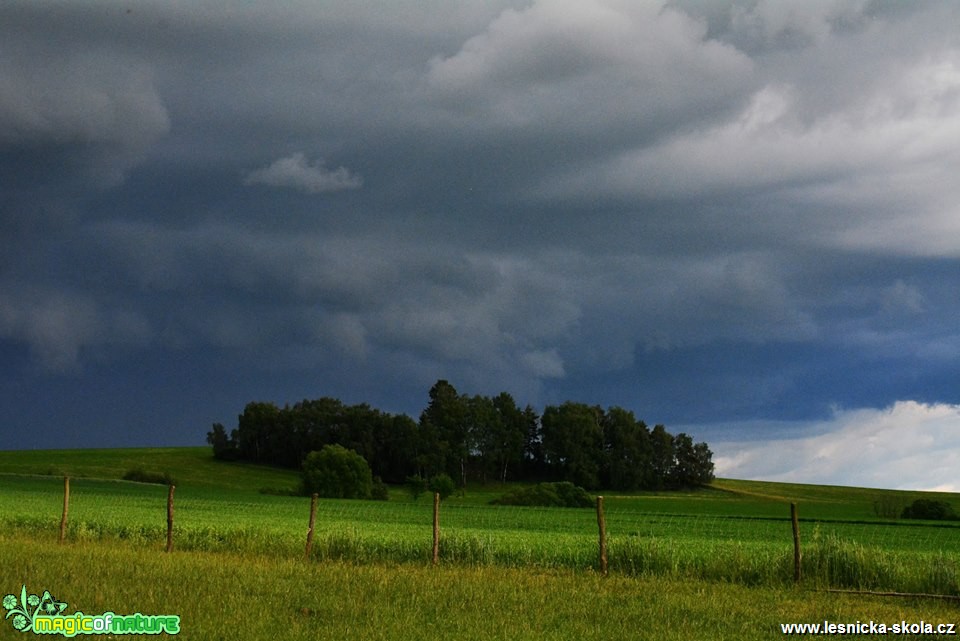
{"x": 436, "y": 528}
{"x": 602, "y": 524}
{"x": 66, "y": 508}
{"x": 796, "y": 542}
{"x": 313, "y": 520}
{"x": 170, "y": 518}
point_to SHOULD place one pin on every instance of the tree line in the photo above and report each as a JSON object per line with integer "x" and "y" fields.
{"x": 474, "y": 438}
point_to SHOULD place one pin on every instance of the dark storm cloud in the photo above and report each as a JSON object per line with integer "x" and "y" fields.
{"x": 695, "y": 210}
{"x": 94, "y": 110}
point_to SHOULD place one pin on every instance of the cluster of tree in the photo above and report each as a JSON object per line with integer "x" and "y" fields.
{"x": 930, "y": 510}
{"x": 560, "y": 494}
{"x": 474, "y": 438}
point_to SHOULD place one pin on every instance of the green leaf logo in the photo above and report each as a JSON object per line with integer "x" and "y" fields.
{"x": 25, "y": 609}
{"x": 50, "y": 606}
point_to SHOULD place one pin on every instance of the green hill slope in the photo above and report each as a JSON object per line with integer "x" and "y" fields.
{"x": 193, "y": 466}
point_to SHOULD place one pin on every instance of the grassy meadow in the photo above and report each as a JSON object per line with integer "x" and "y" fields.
{"x": 245, "y": 596}
{"x": 718, "y": 561}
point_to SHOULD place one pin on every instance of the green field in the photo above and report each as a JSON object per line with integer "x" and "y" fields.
{"x": 247, "y": 597}
{"x": 732, "y": 538}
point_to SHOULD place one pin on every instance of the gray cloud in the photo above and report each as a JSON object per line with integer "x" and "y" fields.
{"x": 101, "y": 110}
{"x": 60, "y": 326}
{"x": 734, "y": 210}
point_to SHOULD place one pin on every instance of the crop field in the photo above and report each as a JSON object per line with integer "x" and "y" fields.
{"x": 713, "y": 563}
{"x": 736, "y": 531}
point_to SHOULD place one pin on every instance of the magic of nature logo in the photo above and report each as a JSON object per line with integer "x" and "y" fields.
{"x": 44, "y": 614}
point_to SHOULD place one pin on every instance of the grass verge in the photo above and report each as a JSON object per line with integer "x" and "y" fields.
{"x": 228, "y": 596}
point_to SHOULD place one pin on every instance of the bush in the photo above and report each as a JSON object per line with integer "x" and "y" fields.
{"x": 888, "y": 507}
{"x": 336, "y": 472}
{"x": 562, "y": 494}
{"x": 279, "y": 491}
{"x": 141, "y": 476}
{"x": 443, "y": 485}
{"x": 930, "y": 510}
{"x": 416, "y": 485}
{"x": 379, "y": 491}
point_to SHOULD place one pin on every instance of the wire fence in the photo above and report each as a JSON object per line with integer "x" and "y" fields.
{"x": 724, "y": 546}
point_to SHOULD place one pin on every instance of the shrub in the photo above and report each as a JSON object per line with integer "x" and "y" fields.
{"x": 141, "y": 476}
{"x": 379, "y": 491}
{"x": 888, "y": 507}
{"x": 416, "y": 485}
{"x": 336, "y": 472}
{"x": 930, "y": 510}
{"x": 279, "y": 491}
{"x": 443, "y": 485}
{"x": 564, "y": 494}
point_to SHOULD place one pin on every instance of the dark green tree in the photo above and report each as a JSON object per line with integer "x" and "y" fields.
{"x": 416, "y": 485}
{"x": 627, "y": 451}
{"x": 446, "y": 418}
{"x": 394, "y": 447}
{"x": 317, "y": 423}
{"x": 693, "y": 465}
{"x": 257, "y": 430}
{"x": 704, "y": 463}
{"x": 483, "y": 425}
{"x": 661, "y": 460}
{"x": 224, "y": 447}
{"x": 572, "y": 442}
{"x": 336, "y": 472}
{"x": 459, "y": 435}
{"x": 534, "y": 459}
{"x": 443, "y": 485}
{"x": 507, "y": 435}
{"x": 929, "y": 509}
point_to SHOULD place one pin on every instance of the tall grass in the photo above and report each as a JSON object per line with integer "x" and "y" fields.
{"x": 828, "y": 561}
{"x": 834, "y": 562}
{"x": 252, "y": 597}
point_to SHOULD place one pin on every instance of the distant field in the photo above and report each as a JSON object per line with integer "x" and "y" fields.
{"x": 735, "y": 531}
{"x": 190, "y": 466}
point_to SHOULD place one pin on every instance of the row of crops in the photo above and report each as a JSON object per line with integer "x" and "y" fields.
{"x": 750, "y": 549}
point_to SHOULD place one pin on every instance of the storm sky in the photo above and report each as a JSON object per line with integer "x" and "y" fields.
{"x": 739, "y": 219}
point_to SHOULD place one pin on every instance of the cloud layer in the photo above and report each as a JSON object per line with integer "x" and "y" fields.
{"x": 710, "y": 213}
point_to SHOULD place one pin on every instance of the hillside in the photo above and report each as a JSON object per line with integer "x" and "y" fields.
{"x": 190, "y": 466}
{"x": 195, "y": 467}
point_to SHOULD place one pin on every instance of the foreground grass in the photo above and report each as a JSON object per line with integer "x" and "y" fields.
{"x": 226, "y": 596}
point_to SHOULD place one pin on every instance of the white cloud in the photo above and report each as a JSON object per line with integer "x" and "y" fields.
{"x": 297, "y": 172}
{"x": 870, "y": 174}
{"x": 909, "y": 445}
{"x": 570, "y": 65}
